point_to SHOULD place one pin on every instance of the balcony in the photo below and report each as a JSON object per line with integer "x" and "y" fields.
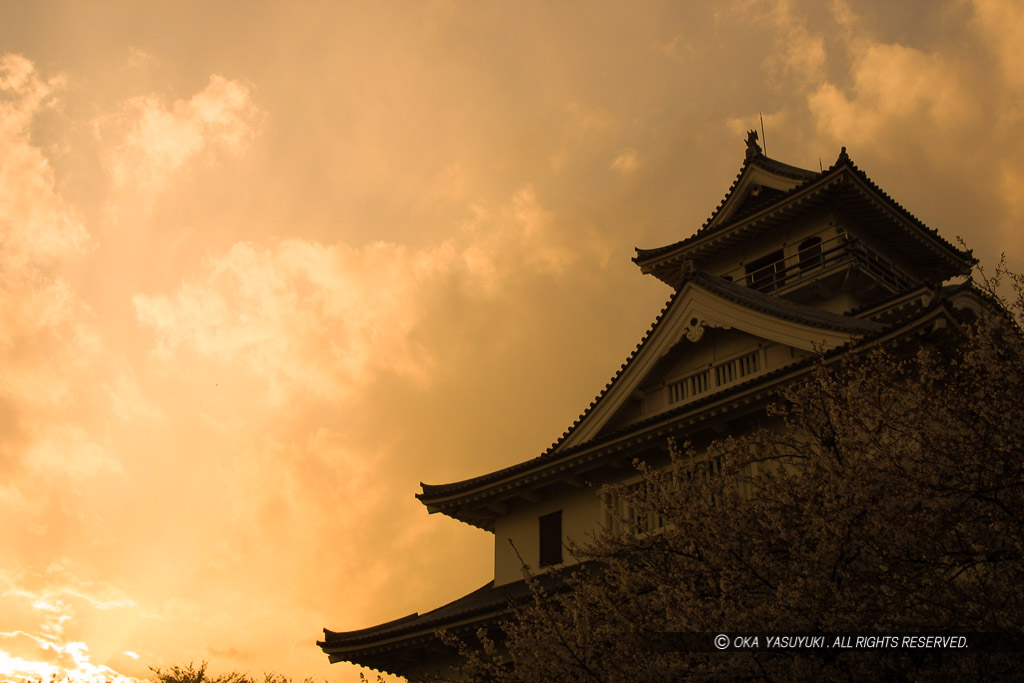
{"x": 813, "y": 261}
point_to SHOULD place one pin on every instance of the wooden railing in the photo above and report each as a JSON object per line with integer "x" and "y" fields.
{"x": 811, "y": 261}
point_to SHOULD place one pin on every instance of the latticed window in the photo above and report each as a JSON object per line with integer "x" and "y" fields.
{"x": 748, "y": 364}
{"x": 737, "y": 368}
{"x": 623, "y": 517}
{"x": 688, "y": 387}
{"x": 722, "y": 374}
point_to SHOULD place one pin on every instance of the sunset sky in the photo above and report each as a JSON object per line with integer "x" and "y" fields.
{"x": 266, "y": 266}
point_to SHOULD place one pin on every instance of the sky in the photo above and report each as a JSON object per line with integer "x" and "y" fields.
{"x": 265, "y": 267}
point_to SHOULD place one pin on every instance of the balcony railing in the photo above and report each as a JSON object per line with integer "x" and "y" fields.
{"x": 817, "y": 257}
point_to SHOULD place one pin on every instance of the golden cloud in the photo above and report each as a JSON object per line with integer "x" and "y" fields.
{"x": 151, "y": 141}
{"x": 323, "y": 320}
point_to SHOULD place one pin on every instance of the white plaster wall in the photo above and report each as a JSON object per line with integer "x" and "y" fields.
{"x": 582, "y": 513}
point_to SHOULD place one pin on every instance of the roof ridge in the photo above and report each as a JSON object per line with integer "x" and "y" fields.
{"x": 756, "y": 159}
{"x": 593, "y": 404}
{"x": 745, "y": 296}
{"x": 767, "y": 163}
{"x": 843, "y": 162}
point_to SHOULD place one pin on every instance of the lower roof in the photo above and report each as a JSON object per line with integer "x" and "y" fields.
{"x": 390, "y": 646}
{"x": 744, "y": 296}
{"x": 902, "y": 313}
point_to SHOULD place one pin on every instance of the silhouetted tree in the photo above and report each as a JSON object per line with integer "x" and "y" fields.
{"x": 885, "y": 494}
{"x": 197, "y": 674}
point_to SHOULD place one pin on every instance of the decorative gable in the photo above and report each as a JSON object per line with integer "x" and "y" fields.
{"x": 759, "y": 184}
{"x": 705, "y": 303}
{"x": 768, "y": 195}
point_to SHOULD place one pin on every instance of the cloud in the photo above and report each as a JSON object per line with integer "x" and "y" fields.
{"x": 800, "y": 51}
{"x": 46, "y": 331}
{"x": 1001, "y": 23}
{"x": 140, "y": 59}
{"x": 52, "y": 458}
{"x": 127, "y": 400}
{"x": 894, "y": 86}
{"x": 304, "y": 316}
{"x": 45, "y": 605}
{"x": 58, "y": 584}
{"x": 626, "y": 162}
{"x": 151, "y": 141}
{"x": 950, "y": 105}
{"x": 37, "y": 228}
{"x": 586, "y": 119}
{"x": 324, "y": 320}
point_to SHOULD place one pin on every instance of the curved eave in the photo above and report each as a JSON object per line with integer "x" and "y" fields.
{"x": 438, "y": 498}
{"x": 844, "y": 184}
{"x": 716, "y": 220}
{"x": 398, "y": 647}
{"x": 468, "y": 500}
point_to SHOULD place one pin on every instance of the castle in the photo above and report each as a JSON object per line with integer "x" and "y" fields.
{"x": 792, "y": 263}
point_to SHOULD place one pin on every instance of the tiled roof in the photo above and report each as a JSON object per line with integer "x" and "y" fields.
{"x": 768, "y": 164}
{"x": 430, "y": 490}
{"x": 782, "y": 308}
{"x": 811, "y": 179}
{"x": 760, "y": 160}
{"x": 845, "y": 161}
{"x": 744, "y": 296}
{"x": 485, "y": 601}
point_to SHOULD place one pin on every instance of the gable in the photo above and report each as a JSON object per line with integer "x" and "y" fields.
{"x": 767, "y": 194}
{"x": 712, "y": 334}
{"x": 720, "y": 359}
{"x": 756, "y": 187}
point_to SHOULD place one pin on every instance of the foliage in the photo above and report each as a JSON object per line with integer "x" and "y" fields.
{"x": 197, "y": 674}
{"x": 883, "y": 495}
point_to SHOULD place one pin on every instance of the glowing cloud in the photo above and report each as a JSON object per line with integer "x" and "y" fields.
{"x": 152, "y": 140}
{"x": 323, "y": 320}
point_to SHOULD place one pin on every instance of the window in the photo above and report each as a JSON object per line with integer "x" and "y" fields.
{"x": 718, "y": 375}
{"x": 622, "y": 517}
{"x": 738, "y": 368}
{"x": 688, "y": 387}
{"x": 551, "y": 539}
{"x": 810, "y": 254}
{"x": 707, "y": 469}
{"x": 767, "y": 273}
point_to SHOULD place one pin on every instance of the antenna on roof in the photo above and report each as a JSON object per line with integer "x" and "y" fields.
{"x": 820, "y": 169}
{"x": 763, "y": 141}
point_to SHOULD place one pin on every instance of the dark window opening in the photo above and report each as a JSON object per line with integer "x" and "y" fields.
{"x": 767, "y": 273}
{"x": 551, "y": 539}
{"x": 810, "y": 254}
